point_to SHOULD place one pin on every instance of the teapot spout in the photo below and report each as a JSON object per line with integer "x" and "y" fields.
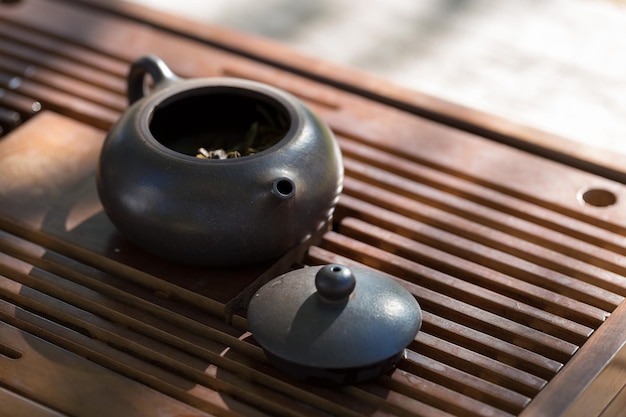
{"x": 284, "y": 188}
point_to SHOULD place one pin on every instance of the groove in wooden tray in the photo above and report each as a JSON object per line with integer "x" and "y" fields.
{"x": 90, "y": 302}
{"x": 461, "y": 312}
{"x": 520, "y": 357}
{"x": 103, "y": 284}
{"x": 60, "y": 101}
{"x": 47, "y": 42}
{"x": 453, "y": 233}
{"x": 490, "y": 346}
{"x": 402, "y": 384}
{"x": 609, "y": 230}
{"x": 113, "y": 267}
{"x": 64, "y": 83}
{"x": 103, "y": 319}
{"x": 152, "y": 344}
{"x": 468, "y": 211}
{"x": 456, "y": 183}
{"x": 62, "y": 289}
{"x": 26, "y": 106}
{"x": 172, "y": 356}
{"x": 465, "y": 270}
{"x": 63, "y": 65}
{"x": 473, "y": 363}
{"x": 547, "y": 323}
{"x": 154, "y": 376}
{"x": 477, "y": 364}
{"x": 464, "y": 382}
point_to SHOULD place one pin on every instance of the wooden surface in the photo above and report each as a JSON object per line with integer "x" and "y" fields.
{"x": 522, "y": 284}
{"x": 609, "y": 164}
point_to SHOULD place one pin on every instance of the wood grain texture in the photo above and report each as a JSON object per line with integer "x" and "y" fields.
{"x": 610, "y": 164}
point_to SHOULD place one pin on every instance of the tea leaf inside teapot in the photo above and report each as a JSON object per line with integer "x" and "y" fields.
{"x": 263, "y": 133}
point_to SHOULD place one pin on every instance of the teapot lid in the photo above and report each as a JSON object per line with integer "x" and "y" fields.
{"x": 334, "y": 317}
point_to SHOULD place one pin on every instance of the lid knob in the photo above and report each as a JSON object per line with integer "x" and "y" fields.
{"x": 335, "y": 282}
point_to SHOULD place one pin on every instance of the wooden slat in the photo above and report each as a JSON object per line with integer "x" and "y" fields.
{"x": 147, "y": 350}
{"x": 61, "y": 101}
{"x": 84, "y": 317}
{"x": 60, "y": 64}
{"x": 402, "y": 384}
{"x": 610, "y": 164}
{"x": 589, "y": 382}
{"x": 490, "y": 346}
{"x": 424, "y": 296}
{"x": 116, "y": 268}
{"x": 458, "y": 184}
{"x": 461, "y": 381}
{"x": 448, "y": 232}
{"x": 442, "y": 284}
{"x": 47, "y": 365}
{"x": 471, "y": 316}
{"x": 455, "y": 356}
{"x": 64, "y": 83}
{"x": 469, "y": 213}
{"x": 25, "y": 106}
{"x": 476, "y": 274}
{"x": 57, "y": 46}
{"x": 133, "y": 305}
{"x": 301, "y": 88}
{"x": 478, "y": 364}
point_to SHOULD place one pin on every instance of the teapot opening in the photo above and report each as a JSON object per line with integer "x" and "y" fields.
{"x": 229, "y": 123}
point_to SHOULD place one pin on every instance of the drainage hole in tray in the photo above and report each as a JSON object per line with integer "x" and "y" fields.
{"x": 597, "y": 197}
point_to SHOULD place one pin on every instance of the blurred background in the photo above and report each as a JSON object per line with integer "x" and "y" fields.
{"x": 556, "y": 65}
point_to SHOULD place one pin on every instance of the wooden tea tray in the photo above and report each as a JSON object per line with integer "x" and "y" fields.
{"x": 512, "y": 241}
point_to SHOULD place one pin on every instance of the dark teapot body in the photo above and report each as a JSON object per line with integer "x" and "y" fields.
{"x": 251, "y": 207}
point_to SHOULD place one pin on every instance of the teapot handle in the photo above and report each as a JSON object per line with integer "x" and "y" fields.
{"x": 154, "y": 66}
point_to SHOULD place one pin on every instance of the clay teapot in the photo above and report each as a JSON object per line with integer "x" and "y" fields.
{"x": 216, "y": 171}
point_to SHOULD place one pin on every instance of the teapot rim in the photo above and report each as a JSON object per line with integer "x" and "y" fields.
{"x": 217, "y": 85}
